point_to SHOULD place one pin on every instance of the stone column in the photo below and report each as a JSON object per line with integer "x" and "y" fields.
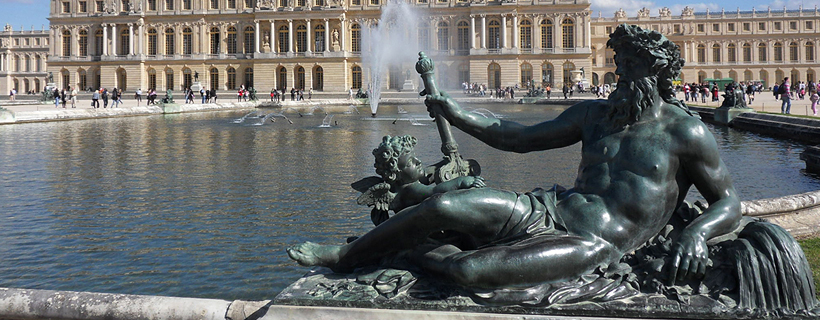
{"x": 515, "y": 32}
{"x": 472, "y": 31}
{"x": 290, "y": 35}
{"x": 273, "y": 38}
{"x": 558, "y": 40}
{"x": 256, "y": 36}
{"x": 131, "y": 39}
{"x": 342, "y": 34}
{"x": 327, "y": 35}
{"x": 483, "y": 31}
{"x": 141, "y": 39}
{"x": 114, "y": 35}
{"x": 503, "y": 31}
{"x": 105, "y": 39}
{"x": 309, "y": 30}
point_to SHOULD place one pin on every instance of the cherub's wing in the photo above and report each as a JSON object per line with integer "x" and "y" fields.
{"x": 364, "y": 184}
{"x": 378, "y": 195}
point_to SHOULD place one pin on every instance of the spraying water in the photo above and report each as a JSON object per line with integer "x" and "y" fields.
{"x": 390, "y": 42}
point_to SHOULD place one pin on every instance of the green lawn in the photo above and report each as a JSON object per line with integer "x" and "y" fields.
{"x": 811, "y": 247}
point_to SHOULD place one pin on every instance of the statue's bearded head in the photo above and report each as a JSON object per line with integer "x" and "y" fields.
{"x": 647, "y": 62}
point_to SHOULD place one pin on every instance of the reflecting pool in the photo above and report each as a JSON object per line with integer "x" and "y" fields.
{"x": 203, "y": 204}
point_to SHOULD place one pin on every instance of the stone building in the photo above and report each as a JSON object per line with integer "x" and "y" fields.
{"x": 308, "y": 43}
{"x": 743, "y": 45}
{"x": 23, "y": 55}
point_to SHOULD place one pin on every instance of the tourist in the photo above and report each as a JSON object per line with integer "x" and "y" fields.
{"x": 95, "y": 99}
{"x": 119, "y": 97}
{"x": 202, "y": 94}
{"x": 548, "y": 90}
{"x": 272, "y": 94}
{"x": 56, "y": 94}
{"x": 115, "y": 97}
{"x": 785, "y": 94}
{"x": 63, "y": 97}
{"x": 105, "y": 97}
{"x": 213, "y": 94}
{"x": 565, "y": 91}
{"x": 73, "y": 97}
{"x": 350, "y": 93}
{"x": 292, "y": 94}
{"x": 814, "y": 98}
{"x": 12, "y": 94}
{"x": 138, "y": 96}
{"x": 310, "y": 94}
{"x": 239, "y": 95}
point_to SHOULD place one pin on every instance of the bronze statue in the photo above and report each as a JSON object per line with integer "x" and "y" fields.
{"x": 642, "y": 150}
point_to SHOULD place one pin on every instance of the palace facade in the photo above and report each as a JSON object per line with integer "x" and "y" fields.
{"x": 743, "y": 45}
{"x": 307, "y": 43}
{"x": 318, "y": 44}
{"x": 23, "y": 55}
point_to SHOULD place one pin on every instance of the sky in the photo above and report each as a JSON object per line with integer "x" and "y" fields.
{"x": 28, "y": 13}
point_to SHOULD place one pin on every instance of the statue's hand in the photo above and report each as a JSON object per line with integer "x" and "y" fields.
{"x": 441, "y": 104}
{"x": 690, "y": 257}
{"x": 467, "y": 182}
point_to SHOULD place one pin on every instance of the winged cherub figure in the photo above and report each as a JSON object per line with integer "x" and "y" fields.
{"x": 400, "y": 185}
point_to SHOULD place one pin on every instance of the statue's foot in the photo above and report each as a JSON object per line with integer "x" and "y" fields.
{"x": 313, "y": 254}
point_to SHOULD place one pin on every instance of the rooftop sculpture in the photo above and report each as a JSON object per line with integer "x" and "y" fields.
{"x": 622, "y": 231}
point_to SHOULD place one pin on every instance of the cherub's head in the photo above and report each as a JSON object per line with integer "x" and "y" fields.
{"x": 395, "y": 154}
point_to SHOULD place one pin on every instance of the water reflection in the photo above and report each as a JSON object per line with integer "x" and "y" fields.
{"x": 198, "y": 205}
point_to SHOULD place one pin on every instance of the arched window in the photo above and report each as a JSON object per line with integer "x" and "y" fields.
{"x": 494, "y": 76}
{"x": 568, "y": 33}
{"x": 731, "y": 52}
{"x": 356, "y": 77}
{"x": 284, "y": 45}
{"x": 356, "y": 38}
{"x": 248, "y": 77}
{"x": 747, "y": 52}
{"x": 761, "y": 52}
{"x": 318, "y": 78}
{"x": 701, "y": 53}
{"x": 300, "y": 78}
{"x": 214, "y": 80}
{"x": 83, "y": 43}
{"x": 37, "y": 63}
{"x": 169, "y": 79}
{"x": 778, "y": 52}
{"x": 231, "y": 78}
{"x": 793, "y": 52}
{"x": 214, "y": 40}
{"x": 98, "y": 42}
{"x": 546, "y": 74}
{"x": 282, "y": 79}
{"x": 152, "y": 79}
{"x": 464, "y": 73}
{"x": 547, "y": 29}
{"x": 525, "y": 35}
{"x": 526, "y": 75}
{"x": 301, "y": 38}
{"x": 715, "y": 52}
{"x": 187, "y": 78}
{"x": 319, "y": 35}
{"x": 152, "y": 42}
{"x": 494, "y": 35}
{"x": 443, "y": 36}
{"x": 250, "y": 40}
{"x": 125, "y": 42}
{"x": 230, "y": 40}
{"x": 810, "y": 51}
{"x": 568, "y": 68}
{"x": 187, "y": 41}
{"x": 169, "y": 41}
{"x": 463, "y": 37}
{"x": 424, "y": 35}
{"x": 66, "y": 43}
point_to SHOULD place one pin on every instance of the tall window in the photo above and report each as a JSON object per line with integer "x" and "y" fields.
{"x": 187, "y": 41}
{"x": 187, "y": 4}
{"x": 231, "y": 78}
{"x": 356, "y": 38}
{"x": 356, "y": 79}
{"x": 318, "y": 78}
{"x": 443, "y": 36}
{"x": 747, "y": 52}
{"x": 231, "y": 40}
{"x": 248, "y": 3}
{"x": 525, "y": 35}
{"x": 526, "y": 74}
{"x": 301, "y": 38}
{"x": 214, "y": 4}
{"x": 214, "y": 40}
{"x": 463, "y": 36}
{"x": 66, "y": 43}
{"x": 214, "y": 80}
{"x": 152, "y": 42}
{"x": 494, "y": 35}
{"x": 284, "y": 45}
{"x": 319, "y": 35}
{"x": 231, "y": 4}
{"x": 731, "y": 52}
{"x": 424, "y": 35}
{"x": 169, "y": 79}
{"x": 98, "y": 42}
{"x": 761, "y": 52}
{"x": 83, "y": 43}
{"x": 716, "y": 52}
{"x": 793, "y": 55}
{"x": 568, "y": 33}
{"x": 152, "y": 79}
{"x": 494, "y": 76}
{"x": 300, "y": 78}
{"x": 169, "y": 5}
{"x": 809, "y": 51}
{"x": 125, "y": 42}
{"x": 701, "y": 53}
{"x": 248, "y": 77}
{"x": 282, "y": 79}
{"x": 152, "y": 5}
{"x": 778, "y": 52}
{"x": 169, "y": 41}
{"x": 187, "y": 78}
{"x": 83, "y": 79}
{"x": 546, "y": 34}
{"x": 250, "y": 42}
{"x": 37, "y": 64}
{"x": 463, "y": 73}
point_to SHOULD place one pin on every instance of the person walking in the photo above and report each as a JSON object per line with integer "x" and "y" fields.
{"x": 73, "y": 97}
{"x": 104, "y": 96}
{"x": 785, "y": 95}
{"x": 115, "y": 97}
{"x": 814, "y": 98}
{"x": 63, "y": 97}
{"x": 138, "y": 96}
{"x": 95, "y": 99}
{"x": 213, "y": 95}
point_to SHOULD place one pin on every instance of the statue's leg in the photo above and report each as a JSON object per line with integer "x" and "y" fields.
{"x": 543, "y": 259}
